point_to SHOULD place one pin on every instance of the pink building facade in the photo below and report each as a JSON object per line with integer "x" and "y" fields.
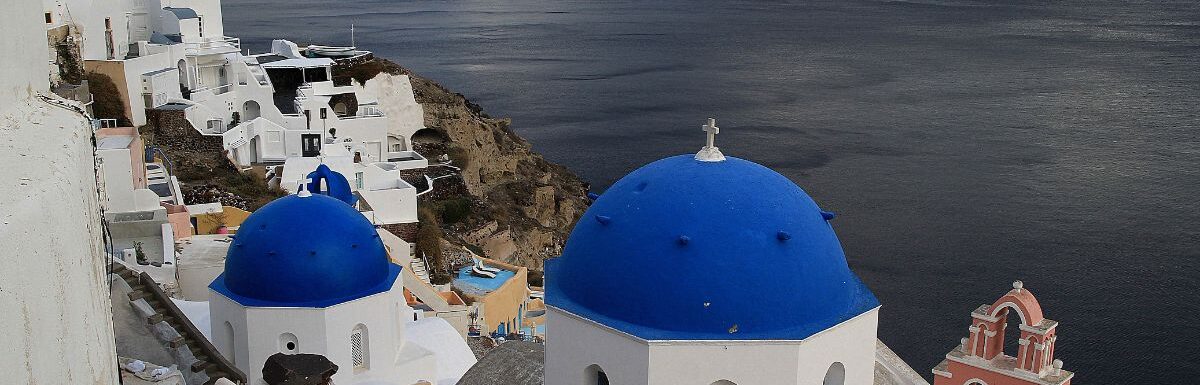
{"x": 980, "y": 358}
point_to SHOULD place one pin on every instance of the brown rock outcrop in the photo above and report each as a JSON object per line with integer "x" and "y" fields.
{"x": 525, "y": 206}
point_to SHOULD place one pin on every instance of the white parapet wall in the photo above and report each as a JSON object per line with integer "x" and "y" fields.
{"x": 56, "y": 318}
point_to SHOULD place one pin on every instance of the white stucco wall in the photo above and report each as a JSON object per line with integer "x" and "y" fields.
{"x": 208, "y": 10}
{"x": 770, "y": 362}
{"x": 89, "y": 16}
{"x": 326, "y": 332}
{"x": 26, "y": 73}
{"x": 56, "y": 318}
{"x": 394, "y": 94}
{"x": 116, "y": 171}
{"x": 573, "y": 344}
{"x": 852, "y": 343}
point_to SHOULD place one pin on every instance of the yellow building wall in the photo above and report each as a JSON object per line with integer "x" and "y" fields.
{"x": 209, "y": 223}
{"x": 504, "y": 304}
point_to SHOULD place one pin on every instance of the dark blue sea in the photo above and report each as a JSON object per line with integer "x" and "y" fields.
{"x": 963, "y": 144}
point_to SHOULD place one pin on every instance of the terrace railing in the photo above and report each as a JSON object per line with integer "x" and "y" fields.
{"x": 223, "y": 44}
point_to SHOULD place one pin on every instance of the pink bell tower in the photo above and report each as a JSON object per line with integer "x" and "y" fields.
{"x": 980, "y": 358}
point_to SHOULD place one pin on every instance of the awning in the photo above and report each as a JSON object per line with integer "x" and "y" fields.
{"x": 300, "y": 63}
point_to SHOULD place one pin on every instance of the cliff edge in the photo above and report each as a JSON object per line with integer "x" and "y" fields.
{"x": 505, "y": 200}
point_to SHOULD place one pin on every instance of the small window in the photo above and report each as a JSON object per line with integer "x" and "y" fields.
{"x": 356, "y": 348}
{"x": 288, "y": 344}
{"x": 108, "y": 23}
{"x": 359, "y": 347}
{"x": 49, "y": 19}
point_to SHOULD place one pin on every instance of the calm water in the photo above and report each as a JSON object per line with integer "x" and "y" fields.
{"x": 963, "y": 144}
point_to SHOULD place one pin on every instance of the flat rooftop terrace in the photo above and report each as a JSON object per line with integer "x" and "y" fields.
{"x": 476, "y": 285}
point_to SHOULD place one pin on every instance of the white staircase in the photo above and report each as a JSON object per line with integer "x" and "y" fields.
{"x": 418, "y": 267}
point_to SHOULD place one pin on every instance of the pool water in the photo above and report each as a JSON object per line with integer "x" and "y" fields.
{"x": 476, "y": 285}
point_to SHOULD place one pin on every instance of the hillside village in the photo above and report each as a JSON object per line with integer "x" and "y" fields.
{"x": 316, "y": 214}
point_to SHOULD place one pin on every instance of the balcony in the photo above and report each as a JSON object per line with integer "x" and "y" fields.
{"x": 215, "y": 46}
{"x": 365, "y": 111}
{"x": 209, "y": 92}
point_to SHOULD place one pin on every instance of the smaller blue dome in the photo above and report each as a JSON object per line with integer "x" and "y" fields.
{"x": 313, "y": 251}
{"x": 336, "y": 184}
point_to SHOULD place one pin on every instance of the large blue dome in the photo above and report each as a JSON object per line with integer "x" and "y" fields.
{"x": 682, "y": 249}
{"x": 313, "y": 251}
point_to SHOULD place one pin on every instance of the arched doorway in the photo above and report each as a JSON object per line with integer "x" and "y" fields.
{"x": 184, "y": 86}
{"x": 836, "y": 375}
{"x": 594, "y": 375}
{"x": 250, "y": 110}
{"x": 724, "y": 382}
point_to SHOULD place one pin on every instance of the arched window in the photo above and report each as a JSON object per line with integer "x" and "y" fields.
{"x": 1011, "y": 328}
{"x": 594, "y": 375}
{"x": 724, "y": 382}
{"x": 360, "y": 352}
{"x": 288, "y": 344}
{"x": 836, "y": 375}
{"x": 226, "y": 343}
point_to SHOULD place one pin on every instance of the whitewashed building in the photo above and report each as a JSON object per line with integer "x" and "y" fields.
{"x": 56, "y": 318}
{"x": 308, "y": 274}
{"x": 173, "y": 54}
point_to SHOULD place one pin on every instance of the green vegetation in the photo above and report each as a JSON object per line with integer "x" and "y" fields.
{"x": 429, "y": 244}
{"x": 248, "y": 186}
{"x": 455, "y": 210}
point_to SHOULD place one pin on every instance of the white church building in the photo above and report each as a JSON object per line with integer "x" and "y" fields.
{"x": 308, "y": 274}
{"x": 729, "y": 274}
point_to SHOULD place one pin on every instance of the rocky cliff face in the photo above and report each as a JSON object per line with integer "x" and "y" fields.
{"x": 522, "y": 207}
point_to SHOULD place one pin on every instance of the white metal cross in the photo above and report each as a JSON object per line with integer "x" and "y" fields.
{"x": 304, "y": 193}
{"x": 710, "y": 152}
{"x": 712, "y": 130}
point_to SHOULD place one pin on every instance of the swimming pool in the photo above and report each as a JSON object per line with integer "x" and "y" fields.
{"x": 472, "y": 284}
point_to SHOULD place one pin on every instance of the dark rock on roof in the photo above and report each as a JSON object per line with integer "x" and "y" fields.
{"x": 298, "y": 369}
{"x": 511, "y": 363}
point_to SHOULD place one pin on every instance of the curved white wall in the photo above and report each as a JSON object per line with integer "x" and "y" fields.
{"x": 260, "y": 332}
{"x": 573, "y": 344}
{"x": 56, "y": 318}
